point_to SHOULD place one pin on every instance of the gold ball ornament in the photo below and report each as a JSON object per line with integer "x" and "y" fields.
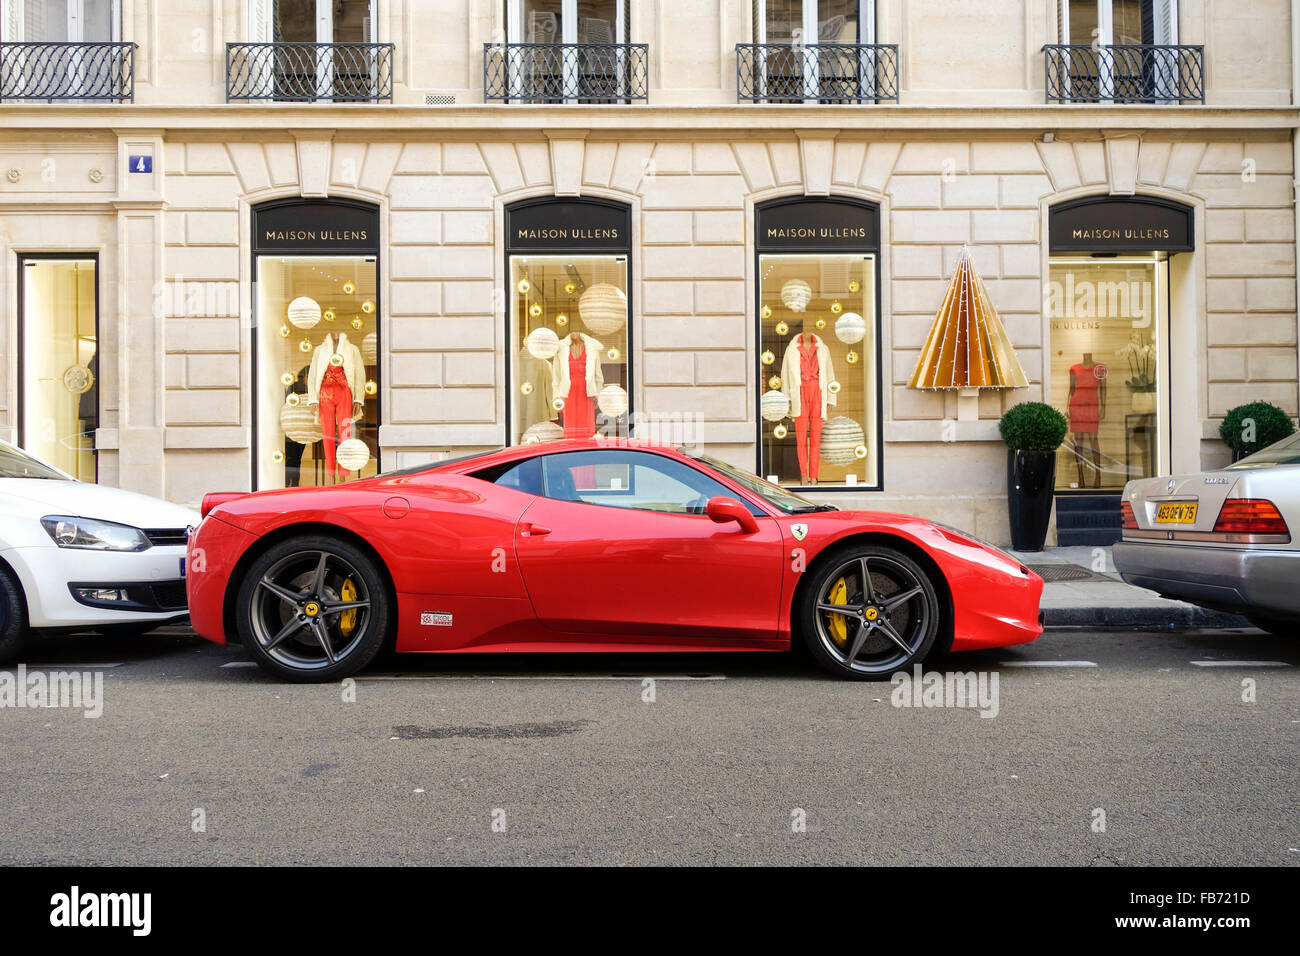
{"x": 833, "y": 388}
{"x": 561, "y": 319}
{"x": 535, "y": 309}
{"x": 780, "y": 431}
{"x": 371, "y": 387}
{"x": 782, "y": 328}
{"x": 570, "y": 287}
{"x": 836, "y": 308}
{"x": 821, "y": 324}
{"x": 557, "y": 404}
{"x": 293, "y": 400}
{"x": 328, "y": 315}
{"x": 286, "y": 379}
{"x": 851, "y": 358}
{"x": 523, "y": 286}
{"x": 526, "y": 388}
{"x": 767, "y": 311}
{"x": 357, "y": 324}
{"x": 349, "y": 288}
{"x": 277, "y": 456}
{"x": 768, "y": 357}
{"x": 284, "y": 331}
{"x": 774, "y": 381}
{"x": 860, "y": 451}
{"x": 336, "y": 360}
{"x": 855, "y": 285}
{"x": 304, "y": 346}
{"x": 367, "y": 307}
{"x": 612, "y": 354}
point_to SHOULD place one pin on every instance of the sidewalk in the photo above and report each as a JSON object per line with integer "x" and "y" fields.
{"x": 1082, "y": 589}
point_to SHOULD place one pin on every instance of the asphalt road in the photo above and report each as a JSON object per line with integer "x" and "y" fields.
{"x": 562, "y": 760}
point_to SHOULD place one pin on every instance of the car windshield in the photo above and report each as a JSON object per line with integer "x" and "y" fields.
{"x": 1284, "y": 452}
{"x": 18, "y": 464}
{"x": 774, "y": 495}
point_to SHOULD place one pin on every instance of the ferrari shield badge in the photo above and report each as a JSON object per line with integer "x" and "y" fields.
{"x": 800, "y": 531}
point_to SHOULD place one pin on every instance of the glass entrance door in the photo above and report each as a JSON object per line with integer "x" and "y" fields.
{"x": 59, "y": 378}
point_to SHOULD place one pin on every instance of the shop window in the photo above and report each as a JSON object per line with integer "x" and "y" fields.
{"x": 568, "y": 320}
{"x": 817, "y": 356}
{"x": 319, "y": 370}
{"x": 60, "y": 362}
{"x": 1108, "y": 325}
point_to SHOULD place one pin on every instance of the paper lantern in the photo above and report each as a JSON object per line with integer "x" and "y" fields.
{"x": 840, "y": 436}
{"x": 542, "y": 343}
{"x": 370, "y": 348}
{"x": 967, "y": 347}
{"x": 298, "y": 422}
{"x": 304, "y": 313}
{"x": 612, "y": 400}
{"x": 542, "y": 431}
{"x": 795, "y": 294}
{"x": 352, "y": 454}
{"x": 776, "y": 405}
{"x": 850, "y": 328}
{"x": 603, "y": 308}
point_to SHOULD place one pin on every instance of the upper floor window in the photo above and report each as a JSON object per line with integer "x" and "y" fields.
{"x": 310, "y": 50}
{"x": 566, "y": 51}
{"x": 807, "y": 22}
{"x": 1117, "y": 22}
{"x": 1121, "y": 51}
{"x": 64, "y": 50}
{"x": 568, "y": 21}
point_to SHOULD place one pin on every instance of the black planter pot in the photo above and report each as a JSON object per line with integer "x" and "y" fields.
{"x": 1031, "y": 482}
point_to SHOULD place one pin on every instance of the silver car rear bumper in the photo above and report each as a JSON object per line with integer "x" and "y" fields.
{"x": 1256, "y": 581}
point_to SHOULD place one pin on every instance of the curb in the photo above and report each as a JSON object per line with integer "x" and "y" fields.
{"x": 1185, "y": 617}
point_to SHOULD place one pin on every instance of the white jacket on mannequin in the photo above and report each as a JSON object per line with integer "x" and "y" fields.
{"x": 560, "y": 366}
{"x": 354, "y": 368}
{"x": 792, "y": 375}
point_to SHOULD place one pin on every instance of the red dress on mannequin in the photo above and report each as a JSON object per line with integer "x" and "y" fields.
{"x": 335, "y": 415}
{"x": 579, "y": 407}
{"x": 808, "y": 426}
{"x": 1085, "y": 403}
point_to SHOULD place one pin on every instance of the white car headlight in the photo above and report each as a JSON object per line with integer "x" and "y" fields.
{"x": 94, "y": 535}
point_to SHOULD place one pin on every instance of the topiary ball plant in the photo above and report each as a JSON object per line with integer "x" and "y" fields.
{"x": 1033, "y": 426}
{"x": 1248, "y": 428}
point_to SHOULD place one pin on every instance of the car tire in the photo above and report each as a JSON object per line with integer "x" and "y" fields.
{"x": 1274, "y": 626}
{"x": 293, "y": 605}
{"x": 892, "y": 626}
{"x": 13, "y": 617}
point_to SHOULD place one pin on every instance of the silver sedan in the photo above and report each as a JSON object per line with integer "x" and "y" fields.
{"x": 1221, "y": 539}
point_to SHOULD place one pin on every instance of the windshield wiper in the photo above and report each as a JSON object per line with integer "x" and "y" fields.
{"x": 810, "y": 508}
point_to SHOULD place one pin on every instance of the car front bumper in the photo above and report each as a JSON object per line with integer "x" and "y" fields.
{"x": 48, "y": 574}
{"x": 1252, "y": 580}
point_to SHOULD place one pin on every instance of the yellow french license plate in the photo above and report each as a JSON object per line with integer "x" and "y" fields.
{"x": 1176, "y": 512}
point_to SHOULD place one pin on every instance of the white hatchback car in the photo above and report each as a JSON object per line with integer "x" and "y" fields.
{"x": 80, "y": 556}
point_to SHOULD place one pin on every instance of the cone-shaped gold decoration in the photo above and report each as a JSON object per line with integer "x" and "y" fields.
{"x": 967, "y": 346}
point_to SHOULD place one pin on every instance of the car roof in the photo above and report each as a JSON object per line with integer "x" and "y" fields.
{"x": 520, "y": 452}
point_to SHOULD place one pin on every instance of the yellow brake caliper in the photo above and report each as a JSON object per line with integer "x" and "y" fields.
{"x": 348, "y": 619}
{"x": 838, "y": 624}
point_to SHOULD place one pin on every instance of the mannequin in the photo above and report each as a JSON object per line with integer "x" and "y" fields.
{"x": 806, "y": 374}
{"x": 292, "y": 449}
{"x": 535, "y": 406}
{"x": 577, "y": 378}
{"x": 335, "y": 387}
{"x": 1087, "y": 406}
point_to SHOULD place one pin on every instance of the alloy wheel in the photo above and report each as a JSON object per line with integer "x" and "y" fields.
{"x": 873, "y": 613}
{"x": 310, "y": 610}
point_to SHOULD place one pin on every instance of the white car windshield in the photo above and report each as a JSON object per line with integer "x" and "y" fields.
{"x": 17, "y": 464}
{"x": 1284, "y": 452}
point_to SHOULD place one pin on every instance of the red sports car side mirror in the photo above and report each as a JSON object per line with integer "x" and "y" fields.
{"x": 722, "y": 510}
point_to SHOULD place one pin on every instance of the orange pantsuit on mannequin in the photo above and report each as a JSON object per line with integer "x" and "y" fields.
{"x": 808, "y": 425}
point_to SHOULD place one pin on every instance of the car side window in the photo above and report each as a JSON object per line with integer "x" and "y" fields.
{"x": 631, "y": 479}
{"x": 525, "y": 476}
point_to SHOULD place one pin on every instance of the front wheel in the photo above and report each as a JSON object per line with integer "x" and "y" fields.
{"x": 13, "y": 617}
{"x": 313, "y": 609}
{"x": 868, "y": 612}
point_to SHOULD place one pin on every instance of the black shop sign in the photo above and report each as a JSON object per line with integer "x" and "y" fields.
{"x": 1121, "y": 224}
{"x": 316, "y": 226}
{"x": 568, "y": 225}
{"x": 817, "y": 225}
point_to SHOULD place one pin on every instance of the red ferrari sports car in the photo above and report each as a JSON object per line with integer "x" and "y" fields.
{"x": 590, "y": 546}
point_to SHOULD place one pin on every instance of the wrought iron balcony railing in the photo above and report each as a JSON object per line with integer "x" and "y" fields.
{"x": 817, "y": 73}
{"x": 1130, "y": 73}
{"x": 310, "y": 72}
{"x": 566, "y": 72}
{"x": 67, "y": 71}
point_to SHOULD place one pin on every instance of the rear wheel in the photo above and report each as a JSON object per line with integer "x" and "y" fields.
{"x": 868, "y": 612}
{"x": 13, "y": 617}
{"x": 313, "y": 609}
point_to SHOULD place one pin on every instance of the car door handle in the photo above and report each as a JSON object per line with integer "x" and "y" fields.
{"x": 534, "y": 530}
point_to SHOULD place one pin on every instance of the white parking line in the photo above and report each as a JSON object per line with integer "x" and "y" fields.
{"x": 633, "y": 677}
{"x": 1047, "y": 664}
{"x": 59, "y": 665}
{"x": 1241, "y": 663}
